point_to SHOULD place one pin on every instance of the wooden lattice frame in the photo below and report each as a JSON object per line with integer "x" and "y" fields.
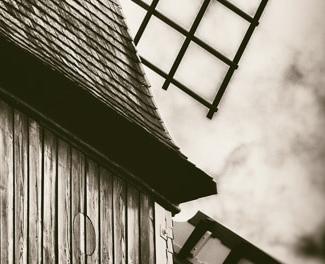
{"x": 190, "y": 37}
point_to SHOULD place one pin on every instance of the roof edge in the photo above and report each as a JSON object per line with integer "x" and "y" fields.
{"x": 45, "y": 89}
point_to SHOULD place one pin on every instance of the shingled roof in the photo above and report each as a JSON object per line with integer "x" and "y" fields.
{"x": 88, "y": 41}
{"x": 84, "y": 51}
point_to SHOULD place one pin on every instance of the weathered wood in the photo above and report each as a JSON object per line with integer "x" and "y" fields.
{"x": 119, "y": 201}
{"x": 49, "y": 198}
{"x": 160, "y": 224}
{"x": 169, "y": 226}
{"x": 133, "y": 256}
{"x": 106, "y": 216}
{"x": 35, "y": 193}
{"x": 78, "y": 205}
{"x": 64, "y": 196}
{"x": 67, "y": 204}
{"x": 163, "y": 223}
{"x": 147, "y": 243}
{"x": 152, "y": 248}
{"x": 6, "y": 184}
{"x": 21, "y": 185}
{"x": 92, "y": 239}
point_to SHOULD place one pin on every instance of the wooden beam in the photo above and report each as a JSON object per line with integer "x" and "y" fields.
{"x": 35, "y": 192}
{"x": 21, "y": 186}
{"x": 50, "y": 198}
{"x": 6, "y": 184}
{"x": 106, "y": 216}
{"x": 64, "y": 202}
{"x": 78, "y": 206}
{"x": 133, "y": 228}
{"x": 119, "y": 222}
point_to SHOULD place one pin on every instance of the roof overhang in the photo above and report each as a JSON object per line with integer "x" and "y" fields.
{"x": 60, "y": 99}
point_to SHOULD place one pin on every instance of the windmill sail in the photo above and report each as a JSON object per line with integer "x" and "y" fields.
{"x": 189, "y": 37}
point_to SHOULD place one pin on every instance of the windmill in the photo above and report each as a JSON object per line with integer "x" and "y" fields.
{"x": 190, "y": 36}
{"x": 88, "y": 171}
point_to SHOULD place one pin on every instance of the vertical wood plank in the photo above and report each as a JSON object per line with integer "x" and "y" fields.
{"x": 119, "y": 201}
{"x": 106, "y": 214}
{"x": 21, "y": 185}
{"x": 147, "y": 232}
{"x": 152, "y": 257}
{"x": 133, "y": 246}
{"x": 169, "y": 226}
{"x": 6, "y": 184}
{"x": 35, "y": 193}
{"x": 49, "y": 198}
{"x": 160, "y": 225}
{"x": 92, "y": 239}
{"x": 64, "y": 217}
{"x": 78, "y": 205}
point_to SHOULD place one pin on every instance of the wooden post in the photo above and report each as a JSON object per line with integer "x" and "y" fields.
{"x": 21, "y": 186}
{"x": 6, "y": 184}
{"x": 35, "y": 193}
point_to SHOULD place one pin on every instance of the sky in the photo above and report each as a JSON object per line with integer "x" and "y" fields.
{"x": 265, "y": 147}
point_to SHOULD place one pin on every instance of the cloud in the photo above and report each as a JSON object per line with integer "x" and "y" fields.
{"x": 267, "y": 141}
{"x": 312, "y": 245}
{"x": 294, "y": 74}
{"x": 236, "y": 159}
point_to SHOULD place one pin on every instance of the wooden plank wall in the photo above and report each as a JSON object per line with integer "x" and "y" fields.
{"x": 58, "y": 205}
{"x": 163, "y": 235}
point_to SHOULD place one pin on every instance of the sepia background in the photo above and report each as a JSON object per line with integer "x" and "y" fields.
{"x": 265, "y": 146}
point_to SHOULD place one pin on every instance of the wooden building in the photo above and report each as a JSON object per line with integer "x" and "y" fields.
{"x": 88, "y": 173}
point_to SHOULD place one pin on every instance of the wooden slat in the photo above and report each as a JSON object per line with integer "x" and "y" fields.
{"x": 133, "y": 256}
{"x": 49, "y": 198}
{"x": 59, "y": 186}
{"x": 64, "y": 195}
{"x": 106, "y": 213}
{"x": 35, "y": 193}
{"x": 147, "y": 243}
{"x": 92, "y": 239}
{"x": 169, "y": 225}
{"x": 160, "y": 226}
{"x": 152, "y": 227}
{"x": 6, "y": 184}
{"x": 21, "y": 185}
{"x": 119, "y": 201}
{"x": 78, "y": 205}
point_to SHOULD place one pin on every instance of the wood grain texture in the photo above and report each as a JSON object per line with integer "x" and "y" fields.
{"x": 169, "y": 226}
{"x": 49, "y": 198}
{"x": 64, "y": 198}
{"x": 6, "y": 184}
{"x": 21, "y": 185}
{"x": 152, "y": 235}
{"x": 92, "y": 187}
{"x": 119, "y": 202}
{"x": 133, "y": 247}
{"x": 78, "y": 205}
{"x": 160, "y": 225}
{"x": 106, "y": 216}
{"x": 147, "y": 243}
{"x": 35, "y": 193}
{"x": 46, "y": 184}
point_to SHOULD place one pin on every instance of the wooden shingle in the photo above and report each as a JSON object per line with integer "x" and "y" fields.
{"x": 87, "y": 41}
